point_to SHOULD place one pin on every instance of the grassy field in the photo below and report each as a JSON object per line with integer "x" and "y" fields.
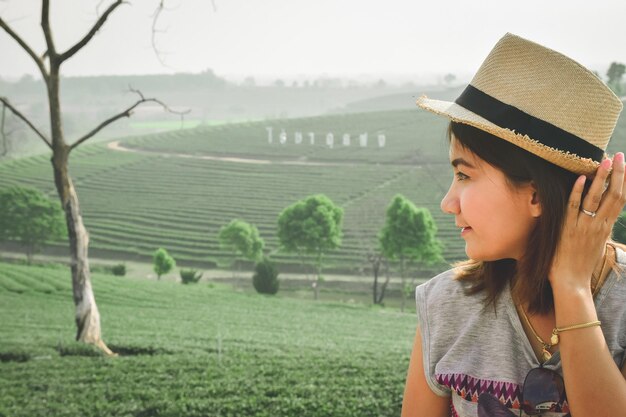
{"x": 200, "y": 350}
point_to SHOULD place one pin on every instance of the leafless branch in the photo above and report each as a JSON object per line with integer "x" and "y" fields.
{"x": 127, "y": 113}
{"x": 16, "y": 112}
{"x": 155, "y": 19}
{"x": 70, "y": 52}
{"x": 25, "y": 47}
{"x": 45, "y": 25}
{"x": 98, "y": 7}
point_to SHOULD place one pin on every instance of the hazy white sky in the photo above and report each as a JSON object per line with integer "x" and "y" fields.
{"x": 412, "y": 39}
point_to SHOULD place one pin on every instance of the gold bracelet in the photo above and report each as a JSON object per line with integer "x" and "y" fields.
{"x": 555, "y": 332}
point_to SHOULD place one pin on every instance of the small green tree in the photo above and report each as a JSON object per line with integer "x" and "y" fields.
{"x": 311, "y": 226}
{"x": 242, "y": 239}
{"x": 31, "y": 218}
{"x": 265, "y": 278}
{"x": 409, "y": 234}
{"x": 614, "y": 74}
{"x": 619, "y": 229}
{"x": 190, "y": 276}
{"x": 163, "y": 262}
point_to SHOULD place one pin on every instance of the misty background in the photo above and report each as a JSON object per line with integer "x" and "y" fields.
{"x": 231, "y": 61}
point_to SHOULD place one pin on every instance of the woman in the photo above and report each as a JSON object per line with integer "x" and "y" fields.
{"x": 534, "y": 323}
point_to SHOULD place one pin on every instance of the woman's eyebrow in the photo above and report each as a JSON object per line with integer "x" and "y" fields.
{"x": 460, "y": 161}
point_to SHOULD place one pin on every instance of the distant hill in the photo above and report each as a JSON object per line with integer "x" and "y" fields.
{"x": 86, "y": 101}
{"x": 405, "y": 100}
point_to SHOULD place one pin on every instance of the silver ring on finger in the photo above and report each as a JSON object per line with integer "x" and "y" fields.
{"x": 592, "y": 214}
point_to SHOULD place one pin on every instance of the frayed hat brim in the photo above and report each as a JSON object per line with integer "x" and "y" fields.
{"x": 457, "y": 113}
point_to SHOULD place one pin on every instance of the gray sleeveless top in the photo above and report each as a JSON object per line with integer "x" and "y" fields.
{"x": 469, "y": 349}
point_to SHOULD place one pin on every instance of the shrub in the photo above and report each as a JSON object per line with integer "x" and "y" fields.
{"x": 265, "y": 278}
{"x": 15, "y": 356}
{"x": 118, "y": 270}
{"x": 190, "y": 276}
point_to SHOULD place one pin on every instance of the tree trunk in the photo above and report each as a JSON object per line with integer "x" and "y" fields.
{"x": 5, "y": 139}
{"x": 304, "y": 267}
{"x": 402, "y": 266}
{"x": 384, "y": 286}
{"x": 319, "y": 276}
{"x": 375, "y": 270}
{"x": 30, "y": 251}
{"x": 86, "y": 314}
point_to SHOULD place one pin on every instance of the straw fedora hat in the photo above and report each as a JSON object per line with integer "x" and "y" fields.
{"x": 539, "y": 100}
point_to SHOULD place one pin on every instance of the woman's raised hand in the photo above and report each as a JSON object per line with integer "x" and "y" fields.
{"x": 588, "y": 225}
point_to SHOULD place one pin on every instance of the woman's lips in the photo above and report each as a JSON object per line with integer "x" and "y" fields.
{"x": 465, "y": 230}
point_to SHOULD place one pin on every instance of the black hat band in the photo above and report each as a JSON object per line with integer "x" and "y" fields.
{"x": 512, "y": 118}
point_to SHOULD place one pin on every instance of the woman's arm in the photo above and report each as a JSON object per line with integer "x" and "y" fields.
{"x": 594, "y": 384}
{"x": 419, "y": 400}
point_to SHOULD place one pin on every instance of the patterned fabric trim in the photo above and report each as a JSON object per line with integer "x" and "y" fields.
{"x": 469, "y": 388}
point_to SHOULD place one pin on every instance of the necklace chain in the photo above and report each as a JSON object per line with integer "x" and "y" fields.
{"x": 554, "y": 340}
{"x": 545, "y": 347}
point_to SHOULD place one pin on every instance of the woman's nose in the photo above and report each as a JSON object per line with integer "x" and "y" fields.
{"x": 450, "y": 203}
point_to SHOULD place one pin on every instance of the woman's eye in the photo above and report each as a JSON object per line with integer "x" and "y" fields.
{"x": 460, "y": 176}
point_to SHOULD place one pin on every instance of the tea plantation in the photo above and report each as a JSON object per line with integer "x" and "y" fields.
{"x": 170, "y": 191}
{"x": 167, "y": 195}
{"x": 197, "y": 350}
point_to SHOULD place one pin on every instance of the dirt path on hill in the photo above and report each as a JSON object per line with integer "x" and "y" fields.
{"x": 115, "y": 146}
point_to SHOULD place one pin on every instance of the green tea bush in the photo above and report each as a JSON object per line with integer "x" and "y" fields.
{"x": 118, "y": 270}
{"x": 190, "y": 276}
{"x": 265, "y": 278}
{"x": 15, "y": 356}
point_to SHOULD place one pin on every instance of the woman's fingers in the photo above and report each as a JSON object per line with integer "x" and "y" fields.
{"x": 573, "y": 205}
{"x": 613, "y": 199}
{"x": 593, "y": 198}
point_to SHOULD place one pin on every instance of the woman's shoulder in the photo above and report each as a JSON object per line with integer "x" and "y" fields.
{"x": 443, "y": 290}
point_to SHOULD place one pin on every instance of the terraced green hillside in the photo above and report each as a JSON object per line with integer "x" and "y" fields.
{"x": 170, "y": 191}
{"x": 199, "y": 350}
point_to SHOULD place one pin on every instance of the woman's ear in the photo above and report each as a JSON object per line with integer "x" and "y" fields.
{"x": 535, "y": 204}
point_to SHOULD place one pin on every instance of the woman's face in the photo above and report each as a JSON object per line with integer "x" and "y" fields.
{"x": 496, "y": 218}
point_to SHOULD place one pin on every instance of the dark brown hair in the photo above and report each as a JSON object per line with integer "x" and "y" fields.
{"x": 529, "y": 275}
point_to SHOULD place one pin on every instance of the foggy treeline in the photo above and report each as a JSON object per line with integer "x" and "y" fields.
{"x": 87, "y": 100}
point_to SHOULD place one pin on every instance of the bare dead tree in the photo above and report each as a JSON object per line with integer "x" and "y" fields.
{"x": 49, "y": 63}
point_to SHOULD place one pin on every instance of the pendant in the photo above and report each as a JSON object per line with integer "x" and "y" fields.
{"x": 546, "y": 354}
{"x": 554, "y": 339}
